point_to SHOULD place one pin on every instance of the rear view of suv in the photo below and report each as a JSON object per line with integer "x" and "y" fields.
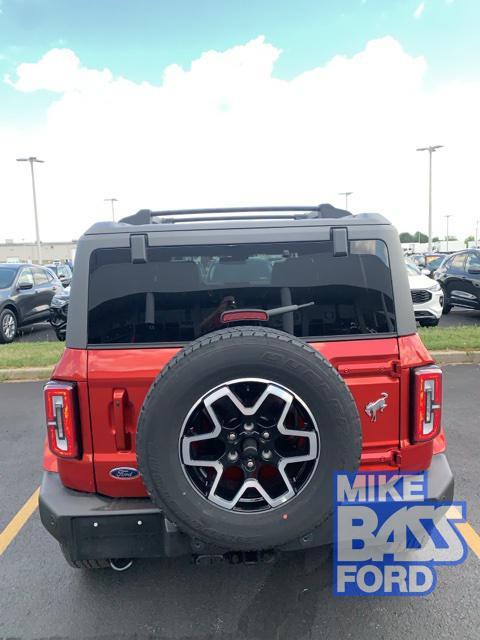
{"x": 220, "y": 367}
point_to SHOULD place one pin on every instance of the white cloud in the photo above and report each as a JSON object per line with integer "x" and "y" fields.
{"x": 227, "y": 132}
{"x": 419, "y": 10}
{"x": 59, "y": 71}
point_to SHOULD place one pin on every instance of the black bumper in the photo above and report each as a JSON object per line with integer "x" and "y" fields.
{"x": 91, "y": 526}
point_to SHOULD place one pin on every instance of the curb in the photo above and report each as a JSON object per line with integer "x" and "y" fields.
{"x": 456, "y": 357}
{"x": 25, "y": 373}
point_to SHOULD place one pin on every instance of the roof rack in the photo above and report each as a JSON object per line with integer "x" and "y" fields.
{"x": 146, "y": 216}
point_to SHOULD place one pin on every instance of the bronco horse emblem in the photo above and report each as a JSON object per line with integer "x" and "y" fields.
{"x": 379, "y": 405}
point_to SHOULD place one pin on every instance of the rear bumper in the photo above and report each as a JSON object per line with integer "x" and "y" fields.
{"x": 91, "y": 526}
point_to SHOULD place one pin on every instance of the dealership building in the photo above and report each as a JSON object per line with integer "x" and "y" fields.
{"x": 27, "y": 251}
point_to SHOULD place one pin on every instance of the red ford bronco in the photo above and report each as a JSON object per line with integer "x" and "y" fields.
{"x": 220, "y": 367}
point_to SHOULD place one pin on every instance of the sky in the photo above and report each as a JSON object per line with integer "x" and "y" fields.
{"x": 199, "y": 103}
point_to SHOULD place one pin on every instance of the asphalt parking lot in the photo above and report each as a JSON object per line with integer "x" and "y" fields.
{"x": 460, "y": 317}
{"x": 41, "y": 597}
{"x": 39, "y": 332}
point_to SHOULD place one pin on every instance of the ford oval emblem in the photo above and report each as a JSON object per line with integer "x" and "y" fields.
{"x": 124, "y": 473}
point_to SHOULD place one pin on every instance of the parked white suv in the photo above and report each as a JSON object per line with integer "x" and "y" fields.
{"x": 427, "y": 297}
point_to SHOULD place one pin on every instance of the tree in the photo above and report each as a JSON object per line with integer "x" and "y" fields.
{"x": 420, "y": 237}
{"x": 469, "y": 239}
{"x": 436, "y": 239}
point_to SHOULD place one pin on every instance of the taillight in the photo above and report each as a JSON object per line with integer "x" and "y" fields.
{"x": 61, "y": 412}
{"x": 427, "y": 413}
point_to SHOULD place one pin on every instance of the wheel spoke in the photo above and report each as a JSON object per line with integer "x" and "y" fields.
{"x": 262, "y": 471}
{"x": 8, "y": 326}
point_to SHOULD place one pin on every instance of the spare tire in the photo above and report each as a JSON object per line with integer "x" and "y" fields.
{"x": 241, "y": 434}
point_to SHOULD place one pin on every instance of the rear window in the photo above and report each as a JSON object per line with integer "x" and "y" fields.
{"x": 180, "y": 293}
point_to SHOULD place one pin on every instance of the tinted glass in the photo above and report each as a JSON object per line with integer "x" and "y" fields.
{"x": 40, "y": 276}
{"x": 473, "y": 261}
{"x": 64, "y": 271}
{"x": 458, "y": 261}
{"x": 26, "y": 277}
{"x": 7, "y": 275}
{"x": 181, "y": 293}
{"x": 434, "y": 264}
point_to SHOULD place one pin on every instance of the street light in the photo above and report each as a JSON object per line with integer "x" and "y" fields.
{"x": 31, "y": 160}
{"x": 112, "y": 201}
{"x": 430, "y": 150}
{"x": 448, "y": 218}
{"x": 346, "y": 194}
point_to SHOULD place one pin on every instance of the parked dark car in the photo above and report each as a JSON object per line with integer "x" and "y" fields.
{"x": 26, "y": 291}
{"x": 459, "y": 276}
{"x": 59, "y": 312}
{"x": 62, "y": 271}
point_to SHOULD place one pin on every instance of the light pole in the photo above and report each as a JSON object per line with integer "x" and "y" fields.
{"x": 448, "y": 218}
{"x": 112, "y": 201}
{"x": 346, "y": 194}
{"x": 31, "y": 160}
{"x": 430, "y": 150}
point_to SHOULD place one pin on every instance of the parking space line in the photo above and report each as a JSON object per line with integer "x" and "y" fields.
{"x": 469, "y": 534}
{"x": 17, "y": 522}
{"x": 471, "y": 537}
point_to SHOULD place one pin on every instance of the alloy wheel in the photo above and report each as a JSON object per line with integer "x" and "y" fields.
{"x": 249, "y": 445}
{"x": 9, "y": 326}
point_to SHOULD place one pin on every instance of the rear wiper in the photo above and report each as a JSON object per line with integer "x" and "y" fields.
{"x": 262, "y": 315}
{"x": 290, "y": 307}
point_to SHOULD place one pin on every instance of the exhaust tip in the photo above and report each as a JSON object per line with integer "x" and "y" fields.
{"x": 121, "y": 564}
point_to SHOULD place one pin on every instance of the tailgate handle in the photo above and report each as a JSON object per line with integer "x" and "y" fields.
{"x": 119, "y": 402}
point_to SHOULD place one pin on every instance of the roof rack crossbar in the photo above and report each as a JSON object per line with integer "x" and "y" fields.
{"x": 144, "y": 216}
{"x": 261, "y": 216}
{"x": 181, "y": 212}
